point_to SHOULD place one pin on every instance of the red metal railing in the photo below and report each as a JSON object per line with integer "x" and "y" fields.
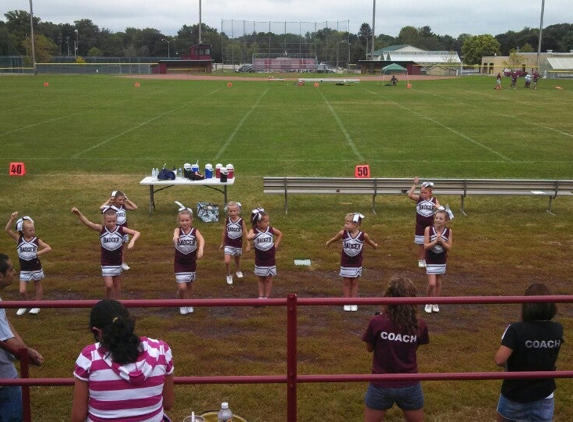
{"x": 292, "y": 378}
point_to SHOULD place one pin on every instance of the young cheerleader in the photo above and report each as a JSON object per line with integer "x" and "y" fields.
{"x": 189, "y": 244}
{"x": 353, "y": 240}
{"x": 232, "y": 239}
{"x": 266, "y": 240}
{"x": 425, "y": 207}
{"x": 121, "y": 204}
{"x": 437, "y": 243}
{"x": 111, "y": 240}
{"x": 29, "y": 249}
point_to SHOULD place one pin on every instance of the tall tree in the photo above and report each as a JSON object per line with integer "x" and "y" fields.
{"x": 18, "y": 24}
{"x": 477, "y": 46}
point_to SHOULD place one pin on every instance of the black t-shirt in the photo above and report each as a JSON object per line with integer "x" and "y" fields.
{"x": 535, "y": 346}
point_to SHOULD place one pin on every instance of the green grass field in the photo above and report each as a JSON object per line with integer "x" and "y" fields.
{"x": 83, "y": 136}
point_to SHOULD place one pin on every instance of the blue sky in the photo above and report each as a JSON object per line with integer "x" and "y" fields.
{"x": 445, "y": 17}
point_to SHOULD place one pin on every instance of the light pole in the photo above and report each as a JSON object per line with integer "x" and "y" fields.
{"x": 32, "y": 38}
{"x": 76, "y": 44}
{"x": 540, "y": 33}
{"x": 168, "y": 51}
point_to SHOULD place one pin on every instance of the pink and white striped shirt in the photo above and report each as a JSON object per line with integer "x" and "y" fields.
{"x": 130, "y": 393}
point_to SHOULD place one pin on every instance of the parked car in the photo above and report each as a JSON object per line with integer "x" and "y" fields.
{"x": 246, "y": 68}
{"x": 323, "y": 68}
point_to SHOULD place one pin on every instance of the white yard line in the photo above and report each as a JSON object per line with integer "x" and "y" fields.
{"x": 343, "y": 129}
{"x": 461, "y": 135}
{"x": 243, "y": 120}
{"x": 158, "y": 116}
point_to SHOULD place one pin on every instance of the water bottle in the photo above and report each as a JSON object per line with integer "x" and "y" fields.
{"x": 180, "y": 172}
{"x": 154, "y": 173}
{"x": 225, "y": 414}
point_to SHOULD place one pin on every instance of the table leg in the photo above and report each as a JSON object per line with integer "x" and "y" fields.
{"x": 151, "y": 199}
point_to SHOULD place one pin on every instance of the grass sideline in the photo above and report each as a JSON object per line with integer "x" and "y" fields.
{"x": 82, "y": 136}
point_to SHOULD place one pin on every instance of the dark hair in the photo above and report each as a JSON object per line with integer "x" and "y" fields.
{"x": 533, "y": 311}
{"x": 405, "y": 316}
{"x": 116, "y": 326}
{"x": 4, "y": 263}
{"x": 256, "y": 217}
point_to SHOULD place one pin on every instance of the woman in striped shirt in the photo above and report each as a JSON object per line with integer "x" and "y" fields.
{"x": 122, "y": 377}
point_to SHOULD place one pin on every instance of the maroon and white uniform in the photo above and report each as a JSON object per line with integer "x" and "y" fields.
{"x": 121, "y": 215}
{"x": 424, "y": 217}
{"x": 111, "y": 250}
{"x": 185, "y": 263}
{"x": 437, "y": 256}
{"x": 265, "y": 263}
{"x": 233, "y": 237}
{"x": 351, "y": 257}
{"x": 30, "y": 265}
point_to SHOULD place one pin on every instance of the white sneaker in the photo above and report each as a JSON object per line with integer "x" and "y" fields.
{"x": 428, "y": 309}
{"x": 21, "y": 311}
{"x": 347, "y": 308}
{"x": 229, "y": 279}
{"x": 435, "y": 308}
{"x": 183, "y": 310}
{"x": 125, "y": 266}
{"x": 239, "y": 274}
{"x": 353, "y": 308}
{"x": 422, "y": 263}
{"x": 35, "y": 311}
{"x": 190, "y": 309}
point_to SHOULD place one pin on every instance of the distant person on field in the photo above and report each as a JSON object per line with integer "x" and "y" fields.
{"x": 528, "y": 79}
{"x": 121, "y": 377}
{"x": 498, "y": 81}
{"x": 394, "y": 337}
{"x": 189, "y": 245}
{"x": 353, "y": 240}
{"x": 11, "y": 395}
{"x": 111, "y": 239}
{"x": 425, "y": 207}
{"x": 29, "y": 249}
{"x": 234, "y": 230}
{"x": 393, "y": 80}
{"x": 535, "y": 79}
{"x": 266, "y": 240}
{"x": 121, "y": 204}
{"x": 532, "y": 344}
{"x": 437, "y": 244}
{"x": 513, "y": 80}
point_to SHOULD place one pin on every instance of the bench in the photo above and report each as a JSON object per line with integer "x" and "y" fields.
{"x": 400, "y": 186}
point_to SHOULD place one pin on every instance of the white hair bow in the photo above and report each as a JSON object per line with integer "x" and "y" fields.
{"x": 108, "y": 207}
{"x": 20, "y": 223}
{"x": 257, "y": 214}
{"x": 183, "y": 207}
{"x": 428, "y": 184}
{"x": 113, "y": 193}
{"x": 357, "y": 217}
{"x": 447, "y": 210}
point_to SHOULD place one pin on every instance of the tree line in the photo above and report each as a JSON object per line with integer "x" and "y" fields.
{"x": 84, "y": 38}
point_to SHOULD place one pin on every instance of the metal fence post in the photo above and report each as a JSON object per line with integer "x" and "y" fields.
{"x": 292, "y": 358}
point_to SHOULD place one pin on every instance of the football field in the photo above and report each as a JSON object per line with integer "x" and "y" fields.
{"x": 80, "y": 137}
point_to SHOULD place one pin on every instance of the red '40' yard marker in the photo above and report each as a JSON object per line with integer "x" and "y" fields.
{"x": 17, "y": 169}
